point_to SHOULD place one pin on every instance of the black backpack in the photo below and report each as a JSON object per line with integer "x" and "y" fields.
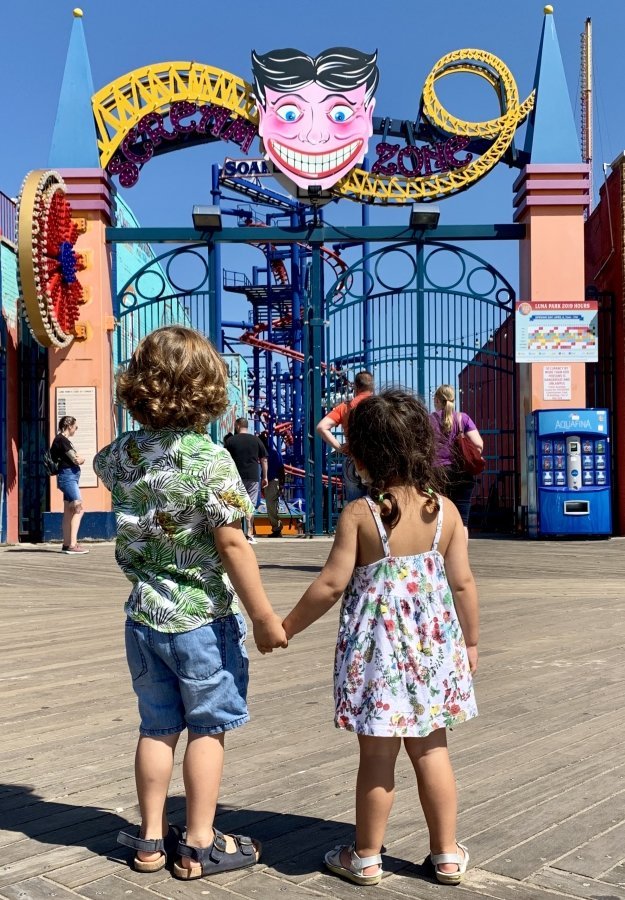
{"x": 49, "y": 463}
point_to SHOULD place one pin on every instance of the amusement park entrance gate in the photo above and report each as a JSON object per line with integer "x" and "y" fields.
{"x": 417, "y": 313}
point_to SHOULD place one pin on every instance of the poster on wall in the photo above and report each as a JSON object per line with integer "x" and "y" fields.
{"x": 556, "y": 332}
{"x": 80, "y": 402}
{"x": 557, "y": 383}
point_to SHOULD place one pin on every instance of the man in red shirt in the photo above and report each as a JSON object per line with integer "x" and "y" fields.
{"x": 339, "y": 416}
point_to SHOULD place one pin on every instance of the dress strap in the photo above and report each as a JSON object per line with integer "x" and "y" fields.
{"x": 439, "y": 523}
{"x": 375, "y": 512}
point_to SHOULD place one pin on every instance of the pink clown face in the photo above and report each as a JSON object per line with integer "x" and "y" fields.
{"x": 315, "y": 135}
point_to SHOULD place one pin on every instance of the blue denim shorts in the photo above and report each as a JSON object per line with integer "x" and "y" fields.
{"x": 195, "y": 679}
{"x": 67, "y": 482}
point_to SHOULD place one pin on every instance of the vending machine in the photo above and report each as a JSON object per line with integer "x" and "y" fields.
{"x": 568, "y": 472}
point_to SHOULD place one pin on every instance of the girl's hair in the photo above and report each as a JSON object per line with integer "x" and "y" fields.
{"x": 66, "y": 422}
{"x": 446, "y": 396}
{"x": 391, "y": 436}
{"x": 175, "y": 379}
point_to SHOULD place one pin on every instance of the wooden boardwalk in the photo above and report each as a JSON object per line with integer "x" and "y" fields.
{"x": 541, "y": 772}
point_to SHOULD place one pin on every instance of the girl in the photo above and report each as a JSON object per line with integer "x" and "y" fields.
{"x": 178, "y": 503}
{"x": 406, "y": 647}
{"x": 458, "y": 484}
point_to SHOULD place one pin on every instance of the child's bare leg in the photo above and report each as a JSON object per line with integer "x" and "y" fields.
{"x": 375, "y": 792}
{"x": 154, "y": 761}
{"x": 437, "y": 791}
{"x": 202, "y": 769}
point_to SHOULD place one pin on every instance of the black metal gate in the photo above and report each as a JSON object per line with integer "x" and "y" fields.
{"x": 33, "y": 439}
{"x": 424, "y": 314}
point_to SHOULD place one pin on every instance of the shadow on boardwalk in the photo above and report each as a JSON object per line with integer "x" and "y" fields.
{"x": 59, "y": 824}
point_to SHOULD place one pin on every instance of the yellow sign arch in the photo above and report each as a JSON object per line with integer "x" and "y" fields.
{"x": 121, "y": 105}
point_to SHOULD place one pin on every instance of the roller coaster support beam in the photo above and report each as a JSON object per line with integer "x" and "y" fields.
{"x": 320, "y": 234}
{"x": 296, "y": 343}
{"x": 420, "y": 324}
{"x": 366, "y": 278}
{"x": 214, "y": 274}
{"x": 312, "y": 397}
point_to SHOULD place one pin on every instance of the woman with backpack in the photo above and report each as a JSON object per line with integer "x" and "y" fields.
{"x": 458, "y": 483}
{"x": 68, "y": 463}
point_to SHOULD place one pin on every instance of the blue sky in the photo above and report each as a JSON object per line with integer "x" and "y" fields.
{"x": 410, "y": 37}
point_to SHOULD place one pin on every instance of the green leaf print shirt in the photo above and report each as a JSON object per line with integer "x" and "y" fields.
{"x": 170, "y": 490}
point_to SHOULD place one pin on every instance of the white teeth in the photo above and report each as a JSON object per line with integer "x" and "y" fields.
{"x": 315, "y": 164}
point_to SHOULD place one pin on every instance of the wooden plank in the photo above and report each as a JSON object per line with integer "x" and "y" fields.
{"x": 547, "y": 733}
{"x": 569, "y": 884}
{"x": 598, "y": 855}
{"x": 549, "y": 842}
{"x": 37, "y": 889}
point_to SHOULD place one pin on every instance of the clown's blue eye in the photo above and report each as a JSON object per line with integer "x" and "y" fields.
{"x": 289, "y": 112}
{"x": 341, "y": 113}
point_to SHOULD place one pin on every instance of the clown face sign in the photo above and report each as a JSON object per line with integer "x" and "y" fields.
{"x": 316, "y": 114}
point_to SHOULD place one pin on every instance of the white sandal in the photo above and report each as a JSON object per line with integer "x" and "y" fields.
{"x": 462, "y": 862}
{"x": 354, "y": 873}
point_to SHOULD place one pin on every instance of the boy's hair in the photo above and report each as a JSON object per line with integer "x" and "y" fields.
{"x": 336, "y": 69}
{"x": 391, "y": 436}
{"x": 175, "y": 379}
{"x": 363, "y": 382}
{"x": 66, "y": 422}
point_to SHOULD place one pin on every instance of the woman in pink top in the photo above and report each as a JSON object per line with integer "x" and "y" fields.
{"x": 447, "y": 424}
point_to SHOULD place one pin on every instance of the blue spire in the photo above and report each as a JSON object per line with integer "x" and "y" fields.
{"x": 551, "y": 134}
{"x": 74, "y": 142}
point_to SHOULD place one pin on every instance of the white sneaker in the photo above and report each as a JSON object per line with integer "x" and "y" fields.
{"x": 252, "y": 540}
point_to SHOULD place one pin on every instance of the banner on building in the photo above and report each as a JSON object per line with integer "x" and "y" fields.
{"x": 80, "y": 402}
{"x": 549, "y": 332}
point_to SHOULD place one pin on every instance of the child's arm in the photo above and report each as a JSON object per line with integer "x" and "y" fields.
{"x": 463, "y": 586}
{"x": 332, "y": 581}
{"x": 240, "y": 563}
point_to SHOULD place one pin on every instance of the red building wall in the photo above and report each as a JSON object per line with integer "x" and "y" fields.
{"x": 604, "y": 266}
{"x": 486, "y": 393}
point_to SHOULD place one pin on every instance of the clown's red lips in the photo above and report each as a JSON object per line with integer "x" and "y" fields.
{"x": 316, "y": 165}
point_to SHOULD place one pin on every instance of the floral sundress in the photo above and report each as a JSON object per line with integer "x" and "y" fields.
{"x": 401, "y": 666}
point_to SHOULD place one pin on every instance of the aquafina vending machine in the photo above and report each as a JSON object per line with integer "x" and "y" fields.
{"x": 568, "y": 468}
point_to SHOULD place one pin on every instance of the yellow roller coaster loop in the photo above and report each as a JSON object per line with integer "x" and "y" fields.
{"x": 362, "y": 185}
{"x": 120, "y": 105}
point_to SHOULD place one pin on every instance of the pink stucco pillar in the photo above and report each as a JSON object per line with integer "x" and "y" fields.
{"x": 550, "y": 201}
{"x": 86, "y": 365}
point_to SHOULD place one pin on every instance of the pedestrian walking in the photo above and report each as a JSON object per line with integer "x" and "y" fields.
{"x": 178, "y": 502}
{"x": 275, "y": 484}
{"x": 250, "y": 458}
{"x": 408, "y": 632}
{"x": 457, "y": 483}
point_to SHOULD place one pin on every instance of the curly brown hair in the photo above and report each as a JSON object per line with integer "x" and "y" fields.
{"x": 175, "y": 379}
{"x": 391, "y": 436}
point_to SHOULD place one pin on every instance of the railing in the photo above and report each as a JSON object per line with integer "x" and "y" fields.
{"x": 235, "y": 279}
{"x": 7, "y": 217}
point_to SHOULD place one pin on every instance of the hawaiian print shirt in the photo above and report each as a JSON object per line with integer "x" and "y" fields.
{"x": 170, "y": 490}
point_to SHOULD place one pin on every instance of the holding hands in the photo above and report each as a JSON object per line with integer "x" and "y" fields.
{"x": 269, "y": 633}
